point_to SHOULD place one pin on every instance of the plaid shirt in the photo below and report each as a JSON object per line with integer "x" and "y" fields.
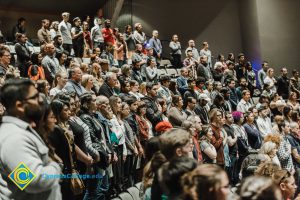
{"x": 284, "y": 154}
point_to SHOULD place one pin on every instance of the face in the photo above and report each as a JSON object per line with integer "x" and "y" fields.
{"x": 112, "y": 81}
{"x": 63, "y": 58}
{"x": 46, "y": 24}
{"x": 192, "y": 85}
{"x": 198, "y": 124}
{"x": 243, "y": 82}
{"x": 5, "y": 59}
{"x": 47, "y": 88}
{"x": 51, "y": 121}
{"x": 90, "y": 83}
{"x": 59, "y": 40}
{"x": 210, "y": 86}
{"x": 62, "y": 80}
{"x": 224, "y": 189}
{"x": 284, "y": 72}
{"x": 192, "y": 43}
{"x": 289, "y": 187}
{"x": 97, "y": 51}
{"x": 153, "y": 91}
{"x": 192, "y": 104}
{"x": 104, "y": 108}
{"x": 209, "y": 134}
{"x": 232, "y": 84}
{"x": 219, "y": 86}
{"x": 40, "y": 58}
{"x": 286, "y": 129}
{"x": 66, "y": 17}
{"x": 219, "y": 118}
{"x": 135, "y": 87}
{"x": 175, "y": 38}
{"x": 119, "y": 105}
{"x": 125, "y": 110}
{"x": 77, "y": 76}
{"x": 271, "y": 72}
{"x": 126, "y": 89}
{"x": 229, "y": 119}
{"x": 65, "y": 113}
{"x": 32, "y": 105}
{"x": 180, "y": 102}
{"x": 155, "y": 34}
{"x": 247, "y": 96}
{"x": 185, "y": 73}
{"x": 93, "y": 105}
{"x": 85, "y": 26}
{"x": 134, "y": 106}
{"x": 72, "y": 106}
{"x": 23, "y": 38}
{"x": 250, "y": 118}
{"x": 242, "y": 58}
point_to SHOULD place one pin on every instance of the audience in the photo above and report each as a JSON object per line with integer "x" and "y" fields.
{"x": 93, "y": 103}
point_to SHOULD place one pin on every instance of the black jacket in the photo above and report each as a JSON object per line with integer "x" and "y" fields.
{"x": 283, "y": 86}
{"x": 152, "y": 113}
{"x": 106, "y": 90}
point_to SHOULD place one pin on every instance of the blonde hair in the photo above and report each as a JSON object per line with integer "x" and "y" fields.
{"x": 267, "y": 147}
{"x": 85, "y": 79}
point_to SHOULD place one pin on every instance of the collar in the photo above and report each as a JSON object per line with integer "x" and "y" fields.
{"x": 14, "y": 120}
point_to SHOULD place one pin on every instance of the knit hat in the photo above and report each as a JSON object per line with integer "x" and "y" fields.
{"x": 163, "y": 126}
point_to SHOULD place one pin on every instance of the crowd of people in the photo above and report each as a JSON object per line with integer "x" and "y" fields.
{"x": 201, "y": 135}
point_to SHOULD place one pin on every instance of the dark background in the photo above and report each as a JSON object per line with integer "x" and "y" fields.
{"x": 262, "y": 29}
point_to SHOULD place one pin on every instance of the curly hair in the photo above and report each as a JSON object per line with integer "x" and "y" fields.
{"x": 275, "y": 138}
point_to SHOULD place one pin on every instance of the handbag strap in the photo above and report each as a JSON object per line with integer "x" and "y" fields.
{"x": 70, "y": 149}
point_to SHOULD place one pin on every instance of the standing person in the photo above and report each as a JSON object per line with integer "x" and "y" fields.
{"x": 121, "y": 50}
{"x": 138, "y": 35}
{"x": 43, "y": 33}
{"x": 206, "y": 52}
{"x": 251, "y": 78}
{"x": 175, "y": 47}
{"x": 182, "y": 80}
{"x": 128, "y": 37}
{"x": 270, "y": 81}
{"x": 283, "y": 84}
{"x": 295, "y": 82}
{"x": 254, "y": 136}
{"x": 154, "y": 110}
{"x": 233, "y": 148}
{"x": 23, "y": 112}
{"x": 87, "y": 40}
{"x": 155, "y": 43}
{"x": 191, "y": 46}
{"x": 65, "y": 29}
{"x": 54, "y": 29}
{"x": 216, "y": 122}
{"x": 203, "y": 69}
{"x": 96, "y": 35}
{"x": 77, "y": 37}
{"x": 176, "y": 115}
{"x": 262, "y": 73}
{"x": 244, "y": 104}
{"x": 164, "y": 91}
{"x": 50, "y": 63}
{"x": 107, "y": 33}
{"x": 151, "y": 71}
{"x": 19, "y": 27}
{"x": 23, "y": 54}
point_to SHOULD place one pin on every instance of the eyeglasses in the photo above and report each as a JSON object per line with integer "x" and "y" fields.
{"x": 36, "y": 96}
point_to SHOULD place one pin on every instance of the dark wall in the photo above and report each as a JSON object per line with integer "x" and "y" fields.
{"x": 279, "y": 32}
{"x": 214, "y": 21}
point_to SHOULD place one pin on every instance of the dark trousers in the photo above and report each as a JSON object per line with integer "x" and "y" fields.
{"x": 233, "y": 173}
{"x": 176, "y": 61}
{"x": 68, "y": 48}
{"x": 118, "y": 170}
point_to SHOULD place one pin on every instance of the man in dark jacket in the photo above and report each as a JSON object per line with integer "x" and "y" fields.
{"x": 23, "y": 54}
{"x": 154, "y": 110}
{"x": 107, "y": 89}
{"x": 283, "y": 84}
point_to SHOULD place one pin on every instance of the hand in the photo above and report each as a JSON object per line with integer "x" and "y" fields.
{"x": 97, "y": 159}
{"x": 115, "y": 158}
{"x": 124, "y": 158}
{"x": 135, "y": 151}
{"x": 141, "y": 151}
{"x": 159, "y": 107}
{"x": 89, "y": 161}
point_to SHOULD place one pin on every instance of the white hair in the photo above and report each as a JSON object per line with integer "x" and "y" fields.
{"x": 267, "y": 147}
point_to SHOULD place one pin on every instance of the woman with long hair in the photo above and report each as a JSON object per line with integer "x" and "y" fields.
{"x": 117, "y": 126}
{"x": 62, "y": 139}
{"x": 43, "y": 87}
{"x": 176, "y": 115}
{"x": 206, "y": 182}
{"x": 293, "y": 101}
{"x": 62, "y": 58}
{"x": 128, "y": 36}
{"x": 36, "y": 71}
{"x": 209, "y": 153}
{"x": 132, "y": 151}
